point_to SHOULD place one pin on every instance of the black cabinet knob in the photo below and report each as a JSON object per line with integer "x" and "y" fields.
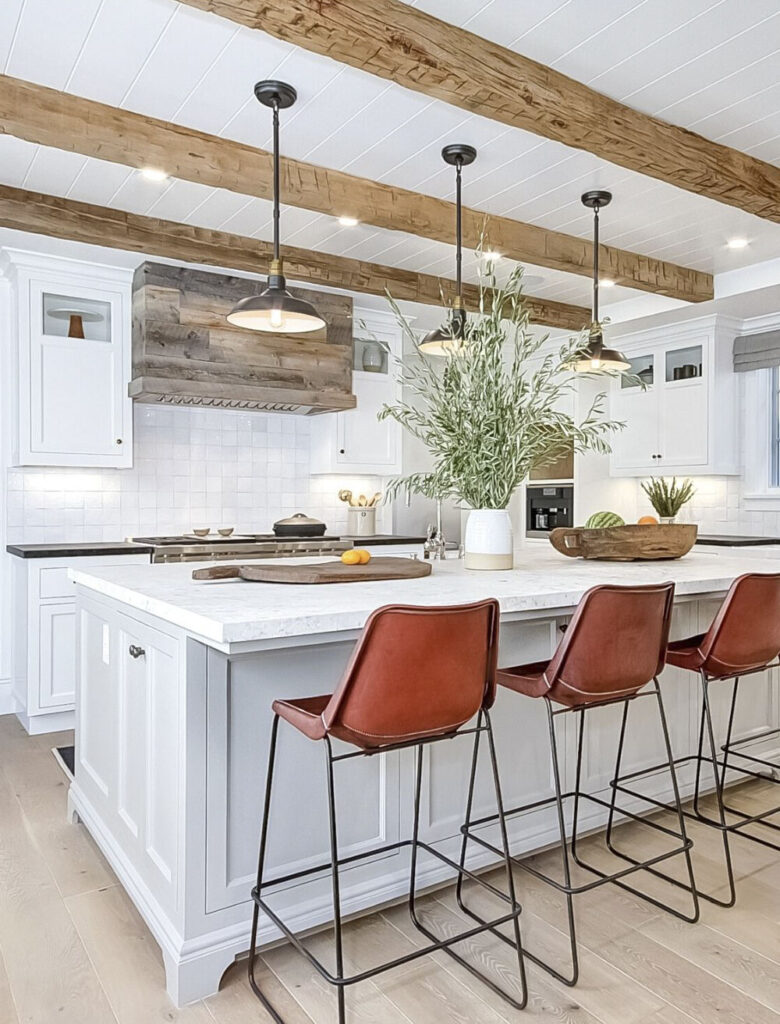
{"x": 136, "y": 652}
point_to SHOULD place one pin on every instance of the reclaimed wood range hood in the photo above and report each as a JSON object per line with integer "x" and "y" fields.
{"x": 186, "y": 353}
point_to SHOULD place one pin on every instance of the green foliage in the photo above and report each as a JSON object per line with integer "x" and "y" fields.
{"x": 489, "y": 417}
{"x": 668, "y": 498}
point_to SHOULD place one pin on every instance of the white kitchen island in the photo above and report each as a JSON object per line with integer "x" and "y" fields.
{"x": 174, "y": 689}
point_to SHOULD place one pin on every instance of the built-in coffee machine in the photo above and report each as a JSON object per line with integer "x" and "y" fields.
{"x": 547, "y": 507}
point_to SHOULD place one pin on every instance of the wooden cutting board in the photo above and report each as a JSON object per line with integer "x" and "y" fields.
{"x": 387, "y": 568}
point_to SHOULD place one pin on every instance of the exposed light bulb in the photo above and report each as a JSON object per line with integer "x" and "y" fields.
{"x": 595, "y": 364}
{"x": 348, "y": 222}
{"x": 737, "y": 243}
{"x": 276, "y": 319}
{"x": 154, "y": 174}
{"x": 606, "y": 282}
{"x": 491, "y": 256}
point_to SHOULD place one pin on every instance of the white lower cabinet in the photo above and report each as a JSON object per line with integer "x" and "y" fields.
{"x": 44, "y": 662}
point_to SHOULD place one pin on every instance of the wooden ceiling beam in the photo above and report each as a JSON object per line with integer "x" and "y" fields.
{"x": 98, "y": 225}
{"x": 418, "y": 51}
{"x": 63, "y": 121}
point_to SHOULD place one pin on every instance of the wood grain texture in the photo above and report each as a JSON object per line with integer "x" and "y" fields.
{"x": 638, "y": 965}
{"x": 52, "y": 118}
{"x": 181, "y": 337}
{"x": 401, "y": 43}
{"x": 98, "y": 225}
{"x": 388, "y": 568}
{"x": 635, "y": 542}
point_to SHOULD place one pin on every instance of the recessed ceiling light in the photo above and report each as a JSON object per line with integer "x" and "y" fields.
{"x": 348, "y": 222}
{"x": 154, "y": 174}
{"x": 737, "y": 243}
{"x": 606, "y": 282}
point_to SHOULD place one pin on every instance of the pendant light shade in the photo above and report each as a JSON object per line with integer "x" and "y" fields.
{"x": 597, "y": 358}
{"x": 450, "y": 336}
{"x": 275, "y": 310}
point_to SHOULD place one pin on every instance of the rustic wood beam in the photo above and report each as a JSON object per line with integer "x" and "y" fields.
{"x": 63, "y": 121}
{"x": 98, "y": 225}
{"x": 405, "y": 45}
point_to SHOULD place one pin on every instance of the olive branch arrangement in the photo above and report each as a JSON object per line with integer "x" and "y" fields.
{"x": 493, "y": 412}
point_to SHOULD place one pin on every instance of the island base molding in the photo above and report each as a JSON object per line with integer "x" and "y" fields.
{"x": 171, "y": 757}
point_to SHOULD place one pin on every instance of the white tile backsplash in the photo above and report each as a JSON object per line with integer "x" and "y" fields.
{"x": 192, "y": 467}
{"x": 718, "y": 507}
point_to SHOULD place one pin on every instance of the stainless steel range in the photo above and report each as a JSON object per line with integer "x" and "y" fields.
{"x": 189, "y": 548}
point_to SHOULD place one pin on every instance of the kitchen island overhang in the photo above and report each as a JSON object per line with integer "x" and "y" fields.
{"x": 175, "y": 682}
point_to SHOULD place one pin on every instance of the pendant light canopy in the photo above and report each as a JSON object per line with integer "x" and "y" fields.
{"x": 597, "y": 358}
{"x": 449, "y": 336}
{"x": 275, "y": 310}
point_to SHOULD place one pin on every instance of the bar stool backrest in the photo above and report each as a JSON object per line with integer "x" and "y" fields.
{"x": 416, "y": 672}
{"x": 745, "y": 634}
{"x": 614, "y": 645}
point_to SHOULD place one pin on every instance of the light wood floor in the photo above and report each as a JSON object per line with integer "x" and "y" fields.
{"x": 73, "y": 950}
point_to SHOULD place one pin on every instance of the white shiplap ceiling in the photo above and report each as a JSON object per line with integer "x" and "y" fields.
{"x": 709, "y": 65}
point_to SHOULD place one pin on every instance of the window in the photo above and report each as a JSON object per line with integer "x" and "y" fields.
{"x": 774, "y": 451}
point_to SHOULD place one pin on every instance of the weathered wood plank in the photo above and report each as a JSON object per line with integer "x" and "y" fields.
{"x": 52, "y": 118}
{"x": 404, "y": 44}
{"x": 98, "y": 225}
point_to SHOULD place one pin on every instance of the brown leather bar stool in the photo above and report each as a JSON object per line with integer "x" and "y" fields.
{"x": 417, "y": 676}
{"x": 611, "y": 650}
{"x": 743, "y": 639}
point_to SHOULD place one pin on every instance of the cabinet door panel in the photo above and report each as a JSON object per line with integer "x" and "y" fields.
{"x": 684, "y": 425}
{"x": 364, "y": 441}
{"x": 634, "y": 446}
{"x": 57, "y": 654}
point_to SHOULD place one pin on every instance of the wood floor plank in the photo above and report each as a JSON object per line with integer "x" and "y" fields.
{"x": 41, "y": 788}
{"x": 8, "y": 1014}
{"x": 236, "y": 1003}
{"x": 49, "y": 972}
{"x": 127, "y": 959}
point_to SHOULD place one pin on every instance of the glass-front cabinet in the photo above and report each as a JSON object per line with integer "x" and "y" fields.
{"x": 73, "y": 329}
{"x": 679, "y": 377}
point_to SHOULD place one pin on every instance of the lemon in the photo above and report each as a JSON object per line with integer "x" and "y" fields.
{"x": 365, "y": 556}
{"x": 351, "y": 557}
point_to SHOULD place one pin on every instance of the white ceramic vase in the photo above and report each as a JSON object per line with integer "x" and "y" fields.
{"x": 488, "y": 539}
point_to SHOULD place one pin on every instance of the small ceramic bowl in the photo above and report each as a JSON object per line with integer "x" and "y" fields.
{"x": 226, "y": 531}
{"x": 204, "y": 532}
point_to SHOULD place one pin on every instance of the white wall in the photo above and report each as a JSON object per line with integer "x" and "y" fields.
{"x": 191, "y": 468}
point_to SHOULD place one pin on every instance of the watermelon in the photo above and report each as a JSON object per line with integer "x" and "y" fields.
{"x": 601, "y": 520}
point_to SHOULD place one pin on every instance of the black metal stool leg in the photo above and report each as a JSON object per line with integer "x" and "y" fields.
{"x": 334, "y": 853}
{"x": 618, "y": 762}
{"x": 718, "y": 779}
{"x": 467, "y": 821}
{"x": 260, "y": 868}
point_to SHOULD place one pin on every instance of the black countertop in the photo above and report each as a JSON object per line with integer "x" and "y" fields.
{"x": 79, "y": 550}
{"x": 383, "y": 538}
{"x": 723, "y": 540}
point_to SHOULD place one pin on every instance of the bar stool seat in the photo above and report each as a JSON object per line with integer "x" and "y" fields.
{"x": 687, "y": 653}
{"x": 416, "y": 676}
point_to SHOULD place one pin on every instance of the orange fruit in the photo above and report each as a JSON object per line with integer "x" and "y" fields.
{"x": 351, "y": 557}
{"x": 365, "y": 556}
{"x": 647, "y": 521}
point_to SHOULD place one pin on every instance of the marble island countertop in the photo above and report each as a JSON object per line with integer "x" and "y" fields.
{"x": 228, "y": 612}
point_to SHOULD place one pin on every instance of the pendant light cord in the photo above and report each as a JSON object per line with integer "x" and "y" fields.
{"x": 276, "y": 180}
{"x": 596, "y": 263}
{"x": 458, "y": 250}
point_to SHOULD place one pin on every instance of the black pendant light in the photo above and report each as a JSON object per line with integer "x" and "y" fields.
{"x": 275, "y": 309}
{"x": 596, "y": 358}
{"x": 449, "y": 336}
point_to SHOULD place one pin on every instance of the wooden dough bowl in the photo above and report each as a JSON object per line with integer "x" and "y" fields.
{"x": 649, "y": 542}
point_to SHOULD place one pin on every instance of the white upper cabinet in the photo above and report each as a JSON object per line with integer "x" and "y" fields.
{"x": 356, "y": 441}
{"x": 684, "y": 419}
{"x": 71, "y": 322}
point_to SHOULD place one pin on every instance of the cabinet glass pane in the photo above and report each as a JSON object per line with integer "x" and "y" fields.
{"x": 642, "y": 367}
{"x": 369, "y": 356}
{"x": 68, "y": 316}
{"x": 683, "y": 363}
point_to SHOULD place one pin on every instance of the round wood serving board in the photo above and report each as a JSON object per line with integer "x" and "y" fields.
{"x": 387, "y": 568}
{"x": 646, "y": 541}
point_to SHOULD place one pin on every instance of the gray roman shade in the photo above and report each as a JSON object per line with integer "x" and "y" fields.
{"x": 756, "y": 351}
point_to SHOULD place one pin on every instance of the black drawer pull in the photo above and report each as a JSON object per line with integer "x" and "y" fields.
{"x": 136, "y": 652}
